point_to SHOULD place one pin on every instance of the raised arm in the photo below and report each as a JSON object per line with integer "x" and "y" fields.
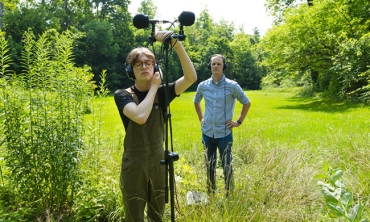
{"x": 190, "y": 75}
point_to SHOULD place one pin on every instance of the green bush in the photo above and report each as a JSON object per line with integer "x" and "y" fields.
{"x": 43, "y": 115}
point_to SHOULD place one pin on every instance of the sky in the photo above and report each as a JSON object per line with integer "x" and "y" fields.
{"x": 248, "y": 13}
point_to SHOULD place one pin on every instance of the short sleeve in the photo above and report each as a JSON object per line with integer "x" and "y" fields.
{"x": 122, "y": 98}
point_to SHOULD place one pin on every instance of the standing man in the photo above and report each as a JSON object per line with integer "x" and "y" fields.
{"x": 142, "y": 109}
{"x": 219, "y": 94}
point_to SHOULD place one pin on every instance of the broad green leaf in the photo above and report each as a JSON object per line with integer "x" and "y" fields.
{"x": 336, "y": 176}
{"x": 340, "y": 185}
{"x": 338, "y": 193}
{"x": 355, "y": 213}
{"x": 347, "y": 199}
{"x": 336, "y": 209}
{"x": 330, "y": 196}
{"x": 322, "y": 184}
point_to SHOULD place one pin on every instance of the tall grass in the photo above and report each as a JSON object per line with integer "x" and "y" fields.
{"x": 278, "y": 151}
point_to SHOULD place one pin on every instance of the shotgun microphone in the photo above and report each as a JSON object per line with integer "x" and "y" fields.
{"x": 142, "y": 21}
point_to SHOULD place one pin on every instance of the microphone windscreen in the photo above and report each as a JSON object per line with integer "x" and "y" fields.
{"x": 141, "y": 21}
{"x": 186, "y": 18}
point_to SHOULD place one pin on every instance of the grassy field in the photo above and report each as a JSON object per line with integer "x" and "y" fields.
{"x": 278, "y": 150}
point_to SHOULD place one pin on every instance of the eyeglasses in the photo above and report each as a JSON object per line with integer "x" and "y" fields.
{"x": 148, "y": 64}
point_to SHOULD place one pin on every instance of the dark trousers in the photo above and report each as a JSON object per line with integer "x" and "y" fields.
{"x": 224, "y": 145}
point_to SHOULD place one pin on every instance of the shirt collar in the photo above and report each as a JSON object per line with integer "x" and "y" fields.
{"x": 218, "y": 83}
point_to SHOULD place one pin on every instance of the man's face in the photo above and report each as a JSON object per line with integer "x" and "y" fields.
{"x": 217, "y": 65}
{"x": 143, "y": 68}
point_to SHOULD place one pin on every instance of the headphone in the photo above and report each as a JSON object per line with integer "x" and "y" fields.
{"x": 130, "y": 72}
{"x": 223, "y": 59}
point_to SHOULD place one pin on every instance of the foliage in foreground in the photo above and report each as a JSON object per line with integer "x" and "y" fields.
{"x": 338, "y": 199}
{"x": 42, "y": 113}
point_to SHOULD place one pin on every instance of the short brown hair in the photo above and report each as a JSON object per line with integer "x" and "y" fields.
{"x": 136, "y": 52}
{"x": 218, "y": 55}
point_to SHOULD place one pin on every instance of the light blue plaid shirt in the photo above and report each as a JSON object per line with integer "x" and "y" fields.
{"x": 219, "y": 101}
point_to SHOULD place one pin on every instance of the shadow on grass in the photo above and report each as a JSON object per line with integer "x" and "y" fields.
{"x": 320, "y": 105}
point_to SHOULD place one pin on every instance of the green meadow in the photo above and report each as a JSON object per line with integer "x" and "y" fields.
{"x": 285, "y": 146}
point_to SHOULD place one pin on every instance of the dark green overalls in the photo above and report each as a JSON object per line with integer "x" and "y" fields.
{"x": 142, "y": 174}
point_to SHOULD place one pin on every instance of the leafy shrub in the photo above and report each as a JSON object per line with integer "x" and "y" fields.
{"x": 42, "y": 113}
{"x": 338, "y": 199}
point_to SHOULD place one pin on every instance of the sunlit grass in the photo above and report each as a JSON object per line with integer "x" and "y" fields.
{"x": 278, "y": 150}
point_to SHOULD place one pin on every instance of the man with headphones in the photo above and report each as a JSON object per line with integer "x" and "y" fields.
{"x": 220, "y": 94}
{"x": 142, "y": 109}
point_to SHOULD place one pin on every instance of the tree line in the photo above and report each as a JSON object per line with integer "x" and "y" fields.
{"x": 319, "y": 45}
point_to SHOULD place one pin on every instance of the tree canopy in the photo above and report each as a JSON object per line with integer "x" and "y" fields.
{"x": 328, "y": 41}
{"x": 322, "y": 45}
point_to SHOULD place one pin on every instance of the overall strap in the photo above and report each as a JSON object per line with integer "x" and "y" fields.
{"x": 134, "y": 96}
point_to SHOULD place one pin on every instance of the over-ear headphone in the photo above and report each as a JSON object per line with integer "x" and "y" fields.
{"x": 130, "y": 72}
{"x": 223, "y": 59}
